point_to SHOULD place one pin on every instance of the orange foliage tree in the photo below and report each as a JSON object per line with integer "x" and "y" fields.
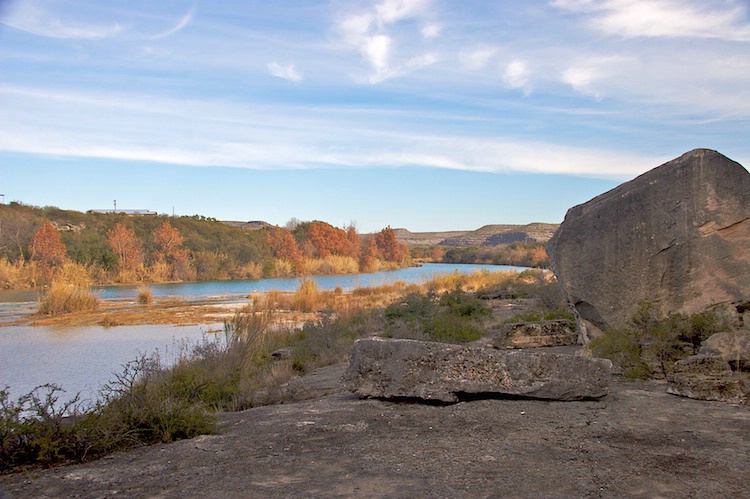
{"x": 284, "y": 246}
{"x": 388, "y": 246}
{"x": 126, "y": 246}
{"x": 47, "y": 247}
{"x": 328, "y": 240}
{"x": 168, "y": 249}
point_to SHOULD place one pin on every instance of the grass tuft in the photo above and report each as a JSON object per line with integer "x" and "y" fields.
{"x": 145, "y": 295}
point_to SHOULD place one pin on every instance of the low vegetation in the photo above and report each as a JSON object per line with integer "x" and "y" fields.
{"x": 250, "y": 366}
{"x": 650, "y": 344}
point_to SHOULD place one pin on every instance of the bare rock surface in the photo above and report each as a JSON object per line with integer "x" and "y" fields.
{"x": 536, "y": 334}
{"x": 636, "y": 442}
{"x": 398, "y": 368}
{"x": 733, "y": 346}
{"x": 678, "y": 235}
{"x": 707, "y": 377}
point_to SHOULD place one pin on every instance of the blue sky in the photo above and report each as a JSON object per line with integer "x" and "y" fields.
{"x": 424, "y": 114}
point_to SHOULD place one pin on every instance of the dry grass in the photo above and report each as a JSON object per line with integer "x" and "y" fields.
{"x": 330, "y": 265}
{"x": 18, "y": 275}
{"x": 145, "y": 295}
{"x": 63, "y": 298}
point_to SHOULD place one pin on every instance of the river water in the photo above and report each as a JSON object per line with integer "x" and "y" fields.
{"x": 82, "y": 359}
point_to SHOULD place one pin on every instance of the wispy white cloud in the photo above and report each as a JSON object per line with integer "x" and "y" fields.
{"x": 516, "y": 75}
{"x": 431, "y": 30}
{"x": 373, "y": 33}
{"x": 181, "y": 24}
{"x": 391, "y": 11}
{"x": 43, "y": 20}
{"x": 287, "y": 72}
{"x": 726, "y": 19}
{"x": 225, "y": 134}
{"x": 31, "y": 18}
{"x": 477, "y": 58}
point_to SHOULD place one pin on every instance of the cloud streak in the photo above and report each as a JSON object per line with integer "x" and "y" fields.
{"x": 28, "y": 17}
{"x": 726, "y": 20}
{"x": 206, "y": 133}
{"x": 181, "y": 24}
{"x": 286, "y": 72}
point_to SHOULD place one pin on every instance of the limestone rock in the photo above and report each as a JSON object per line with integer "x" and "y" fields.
{"x": 536, "y": 334}
{"x": 733, "y": 346}
{"x": 705, "y": 377}
{"x": 397, "y": 368}
{"x": 678, "y": 235}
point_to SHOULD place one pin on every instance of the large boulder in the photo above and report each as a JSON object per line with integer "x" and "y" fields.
{"x": 707, "y": 377}
{"x": 678, "y": 235}
{"x": 407, "y": 369}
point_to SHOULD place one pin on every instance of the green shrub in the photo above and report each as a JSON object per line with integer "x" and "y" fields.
{"x": 451, "y": 328}
{"x": 651, "y": 343}
{"x": 456, "y": 316}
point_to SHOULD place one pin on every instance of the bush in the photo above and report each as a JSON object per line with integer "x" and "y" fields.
{"x": 651, "y": 343}
{"x": 455, "y": 316}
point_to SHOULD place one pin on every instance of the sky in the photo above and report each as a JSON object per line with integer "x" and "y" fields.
{"x": 423, "y": 114}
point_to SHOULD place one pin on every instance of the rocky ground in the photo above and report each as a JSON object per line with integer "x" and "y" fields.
{"x": 637, "y": 441}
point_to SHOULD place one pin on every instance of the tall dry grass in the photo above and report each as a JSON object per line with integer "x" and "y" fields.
{"x": 18, "y": 274}
{"x": 69, "y": 292}
{"x": 330, "y": 265}
{"x": 145, "y": 295}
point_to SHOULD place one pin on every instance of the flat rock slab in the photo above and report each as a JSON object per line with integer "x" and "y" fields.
{"x": 408, "y": 369}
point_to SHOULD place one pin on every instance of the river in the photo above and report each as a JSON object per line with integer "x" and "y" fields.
{"x": 82, "y": 359}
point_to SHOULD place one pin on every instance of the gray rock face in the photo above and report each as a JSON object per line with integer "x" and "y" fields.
{"x": 678, "y": 235}
{"x": 733, "y": 347}
{"x": 536, "y": 334}
{"x": 442, "y": 372}
{"x": 706, "y": 377}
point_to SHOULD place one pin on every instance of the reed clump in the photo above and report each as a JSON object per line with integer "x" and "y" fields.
{"x": 69, "y": 292}
{"x": 145, "y": 295}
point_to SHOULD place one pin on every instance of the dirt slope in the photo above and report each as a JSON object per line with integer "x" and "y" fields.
{"x": 638, "y": 441}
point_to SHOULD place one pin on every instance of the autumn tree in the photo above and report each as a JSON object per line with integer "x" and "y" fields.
{"x": 47, "y": 247}
{"x": 368, "y": 260}
{"x": 284, "y": 246}
{"x": 168, "y": 249}
{"x": 126, "y": 246}
{"x": 328, "y": 240}
{"x": 389, "y": 247}
{"x": 354, "y": 244}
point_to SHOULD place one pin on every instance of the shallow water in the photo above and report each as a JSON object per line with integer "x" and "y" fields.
{"x": 82, "y": 359}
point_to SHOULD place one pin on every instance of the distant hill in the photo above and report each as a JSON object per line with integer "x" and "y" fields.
{"x": 489, "y": 235}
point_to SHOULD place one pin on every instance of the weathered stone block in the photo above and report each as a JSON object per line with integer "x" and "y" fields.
{"x": 536, "y": 334}
{"x": 705, "y": 377}
{"x": 396, "y": 368}
{"x": 733, "y": 346}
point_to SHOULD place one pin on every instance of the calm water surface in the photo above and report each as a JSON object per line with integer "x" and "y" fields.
{"x": 81, "y": 359}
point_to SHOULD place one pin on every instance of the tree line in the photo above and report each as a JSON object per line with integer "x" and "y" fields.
{"x": 35, "y": 243}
